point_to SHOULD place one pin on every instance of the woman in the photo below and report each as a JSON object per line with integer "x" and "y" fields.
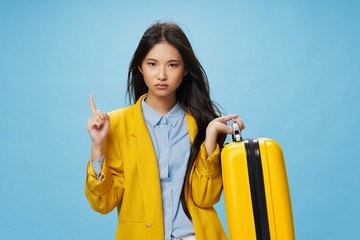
{"x": 158, "y": 161}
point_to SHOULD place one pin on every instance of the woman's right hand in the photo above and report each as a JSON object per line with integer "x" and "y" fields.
{"x": 98, "y": 127}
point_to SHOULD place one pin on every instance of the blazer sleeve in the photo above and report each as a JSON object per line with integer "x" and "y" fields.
{"x": 206, "y": 180}
{"x": 105, "y": 194}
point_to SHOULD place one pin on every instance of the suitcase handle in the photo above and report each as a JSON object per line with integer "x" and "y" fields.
{"x": 236, "y": 132}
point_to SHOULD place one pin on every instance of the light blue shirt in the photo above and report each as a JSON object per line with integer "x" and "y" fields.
{"x": 171, "y": 141}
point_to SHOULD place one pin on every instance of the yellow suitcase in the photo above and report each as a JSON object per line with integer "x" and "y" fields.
{"x": 256, "y": 191}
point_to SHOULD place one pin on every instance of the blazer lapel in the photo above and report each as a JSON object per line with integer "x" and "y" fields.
{"x": 192, "y": 128}
{"x": 145, "y": 157}
{"x": 147, "y": 165}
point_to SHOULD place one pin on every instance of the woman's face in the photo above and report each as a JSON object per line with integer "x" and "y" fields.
{"x": 163, "y": 71}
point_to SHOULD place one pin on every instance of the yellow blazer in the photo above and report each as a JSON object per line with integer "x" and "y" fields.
{"x": 130, "y": 181}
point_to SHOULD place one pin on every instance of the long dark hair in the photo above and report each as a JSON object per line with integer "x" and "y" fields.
{"x": 193, "y": 94}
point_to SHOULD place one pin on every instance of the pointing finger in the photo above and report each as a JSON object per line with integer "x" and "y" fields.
{"x": 92, "y": 105}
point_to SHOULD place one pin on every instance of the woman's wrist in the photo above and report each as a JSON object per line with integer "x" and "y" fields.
{"x": 210, "y": 140}
{"x": 96, "y": 151}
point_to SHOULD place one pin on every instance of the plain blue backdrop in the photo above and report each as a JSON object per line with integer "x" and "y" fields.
{"x": 290, "y": 69}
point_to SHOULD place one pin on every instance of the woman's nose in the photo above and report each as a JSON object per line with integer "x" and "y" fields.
{"x": 162, "y": 74}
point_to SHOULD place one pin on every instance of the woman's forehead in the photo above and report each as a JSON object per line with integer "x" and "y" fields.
{"x": 163, "y": 51}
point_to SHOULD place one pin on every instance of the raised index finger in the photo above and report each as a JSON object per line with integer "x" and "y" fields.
{"x": 92, "y": 105}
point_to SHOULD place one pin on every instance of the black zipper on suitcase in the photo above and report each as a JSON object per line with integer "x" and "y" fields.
{"x": 257, "y": 188}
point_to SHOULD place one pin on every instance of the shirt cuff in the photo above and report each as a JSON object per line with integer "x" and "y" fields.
{"x": 97, "y": 166}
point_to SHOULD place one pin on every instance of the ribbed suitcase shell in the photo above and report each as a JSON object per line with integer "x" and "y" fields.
{"x": 237, "y": 193}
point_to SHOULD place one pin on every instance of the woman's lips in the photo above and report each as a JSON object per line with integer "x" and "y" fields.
{"x": 161, "y": 86}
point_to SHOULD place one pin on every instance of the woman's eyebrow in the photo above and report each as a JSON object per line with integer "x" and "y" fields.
{"x": 151, "y": 59}
{"x": 155, "y": 60}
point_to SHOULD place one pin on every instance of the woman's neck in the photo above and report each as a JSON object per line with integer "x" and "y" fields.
{"x": 159, "y": 104}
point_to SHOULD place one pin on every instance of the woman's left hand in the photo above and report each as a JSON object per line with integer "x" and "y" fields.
{"x": 218, "y": 126}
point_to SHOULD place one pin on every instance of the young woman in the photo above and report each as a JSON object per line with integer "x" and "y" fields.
{"x": 158, "y": 161}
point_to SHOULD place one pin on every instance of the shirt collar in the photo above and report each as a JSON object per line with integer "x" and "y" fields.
{"x": 153, "y": 117}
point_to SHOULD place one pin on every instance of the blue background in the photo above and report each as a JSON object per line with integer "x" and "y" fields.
{"x": 290, "y": 69}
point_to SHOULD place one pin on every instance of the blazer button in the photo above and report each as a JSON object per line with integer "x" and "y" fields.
{"x": 148, "y": 225}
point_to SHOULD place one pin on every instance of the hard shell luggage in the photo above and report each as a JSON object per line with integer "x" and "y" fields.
{"x": 256, "y": 191}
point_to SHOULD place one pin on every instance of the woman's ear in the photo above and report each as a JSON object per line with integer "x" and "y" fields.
{"x": 185, "y": 73}
{"x": 139, "y": 68}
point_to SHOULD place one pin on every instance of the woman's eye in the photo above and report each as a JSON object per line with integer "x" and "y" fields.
{"x": 151, "y": 64}
{"x": 172, "y": 65}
